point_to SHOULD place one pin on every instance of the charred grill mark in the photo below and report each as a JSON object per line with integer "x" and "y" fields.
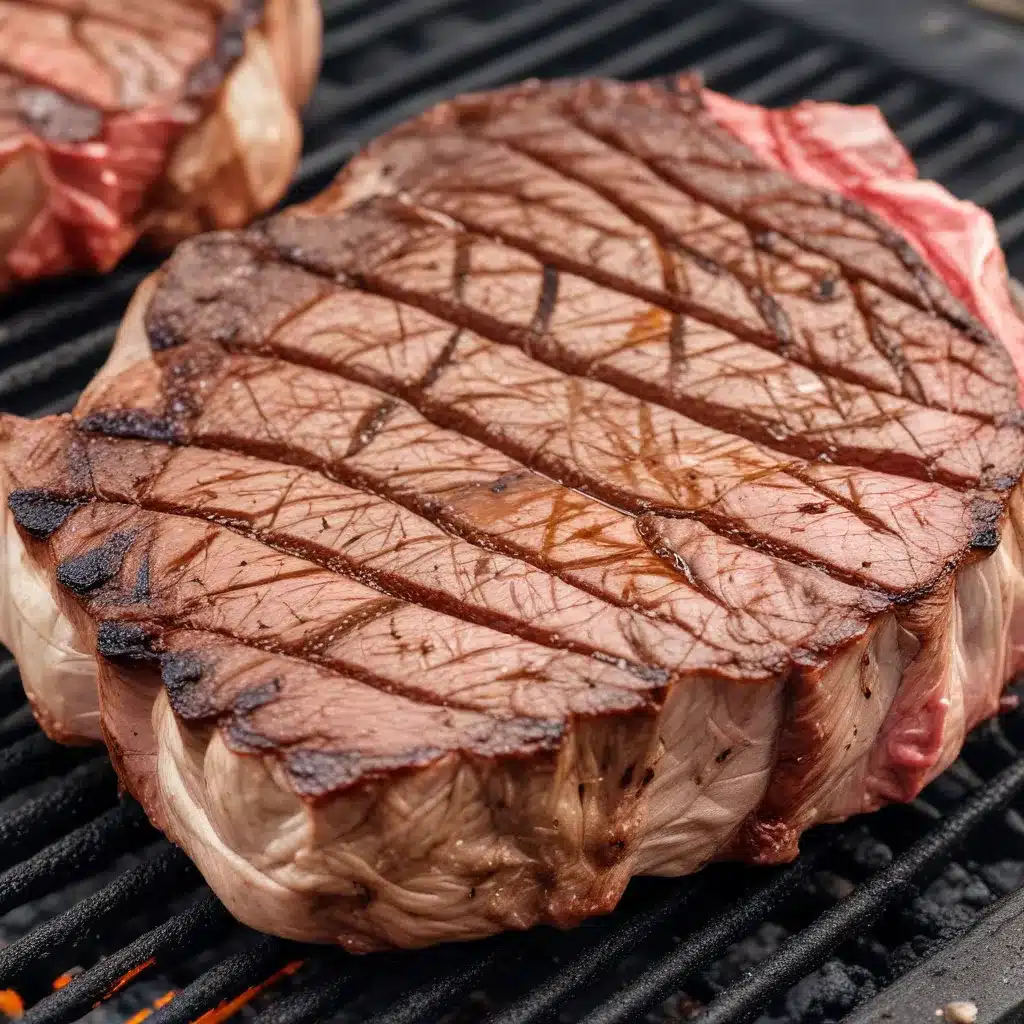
{"x": 40, "y": 513}
{"x": 182, "y": 674}
{"x": 126, "y": 641}
{"x": 987, "y": 517}
{"x": 369, "y": 426}
{"x": 132, "y": 423}
{"x": 88, "y": 571}
{"x": 546, "y": 300}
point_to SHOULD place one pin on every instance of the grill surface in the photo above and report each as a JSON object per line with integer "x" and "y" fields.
{"x": 92, "y": 897}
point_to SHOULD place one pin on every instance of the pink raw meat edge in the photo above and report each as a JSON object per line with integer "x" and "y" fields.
{"x": 853, "y": 151}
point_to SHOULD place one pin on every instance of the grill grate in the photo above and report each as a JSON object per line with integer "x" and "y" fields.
{"x": 61, "y": 824}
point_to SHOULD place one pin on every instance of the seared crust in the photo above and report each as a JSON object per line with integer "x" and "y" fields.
{"x": 559, "y": 406}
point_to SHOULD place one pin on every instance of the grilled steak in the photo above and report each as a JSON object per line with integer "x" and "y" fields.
{"x": 568, "y": 493}
{"x": 123, "y": 118}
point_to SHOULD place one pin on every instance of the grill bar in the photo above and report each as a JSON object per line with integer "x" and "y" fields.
{"x": 88, "y": 790}
{"x": 12, "y": 696}
{"x": 812, "y": 947}
{"x": 17, "y": 724}
{"x": 168, "y": 873}
{"x": 205, "y": 921}
{"x": 428, "y": 1002}
{"x": 314, "y": 997}
{"x": 78, "y": 854}
{"x": 36, "y": 757}
{"x": 700, "y": 949}
{"x": 519, "y": 63}
{"x": 231, "y": 978}
{"x": 602, "y": 955}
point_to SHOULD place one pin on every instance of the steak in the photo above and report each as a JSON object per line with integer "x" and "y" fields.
{"x": 128, "y": 118}
{"x": 570, "y": 492}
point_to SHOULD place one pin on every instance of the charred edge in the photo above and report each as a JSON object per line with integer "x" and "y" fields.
{"x": 240, "y": 729}
{"x": 132, "y": 423}
{"x": 987, "y": 517}
{"x": 40, "y": 513}
{"x": 126, "y": 641}
{"x": 369, "y": 426}
{"x": 318, "y": 772}
{"x": 87, "y": 572}
{"x": 229, "y": 46}
{"x": 515, "y": 737}
{"x": 181, "y": 673}
{"x": 56, "y": 118}
{"x": 546, "y": 301}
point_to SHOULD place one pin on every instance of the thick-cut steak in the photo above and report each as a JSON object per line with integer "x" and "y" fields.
{"x": 123, "y": 118}
{"x": 568, "y": 493}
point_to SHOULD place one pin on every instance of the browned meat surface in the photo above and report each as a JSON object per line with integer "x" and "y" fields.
{"x": 563, "y": 495}
{"x": 122, "y": 118}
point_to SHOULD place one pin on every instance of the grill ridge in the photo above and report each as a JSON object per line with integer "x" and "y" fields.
{"x": 382, "y": 64}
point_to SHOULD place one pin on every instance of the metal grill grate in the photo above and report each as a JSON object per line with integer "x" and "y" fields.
{"x": 136, "y": 907}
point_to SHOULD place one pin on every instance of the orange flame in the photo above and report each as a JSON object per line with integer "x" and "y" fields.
{"x": 163, "y": 1000}
{"x": 127, "y": 977}
{"x": 11, "y": 1004}
{"x": 227, "y": 1009}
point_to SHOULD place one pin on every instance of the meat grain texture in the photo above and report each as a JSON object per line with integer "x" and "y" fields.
{"x": 128, "y": 118}
{"x": 574, "y": 490}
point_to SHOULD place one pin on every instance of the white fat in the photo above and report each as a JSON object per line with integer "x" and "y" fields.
{"x": 696, "y": 802}
{"x": 59, "y": 675}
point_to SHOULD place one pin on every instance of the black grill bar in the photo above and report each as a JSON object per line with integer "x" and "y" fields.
{"x": 84, "y": 851}
{"x": 428, "y": 1001}
{"x": 690, "y": 31}
{"x": 88, "y": 790}
{"x": 356, "y": 35}
{"x": 16, "y": 725}
{"x": 812, "y": 946}
{"x": 200, "y": 925}
{"x": 519, "y": 63}
{"x": 229, "y": 979}
{"x": 170, "y": 872}
{"x": 315, "y": 997}
{"x": 668, "y": 974}
{"x": 37, "y": 757}
{"x": 12, "y": 696}
{"x": 610, "y": 948}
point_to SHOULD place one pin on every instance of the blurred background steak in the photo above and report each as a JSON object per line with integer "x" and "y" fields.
{"x": 124, "y": 118}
